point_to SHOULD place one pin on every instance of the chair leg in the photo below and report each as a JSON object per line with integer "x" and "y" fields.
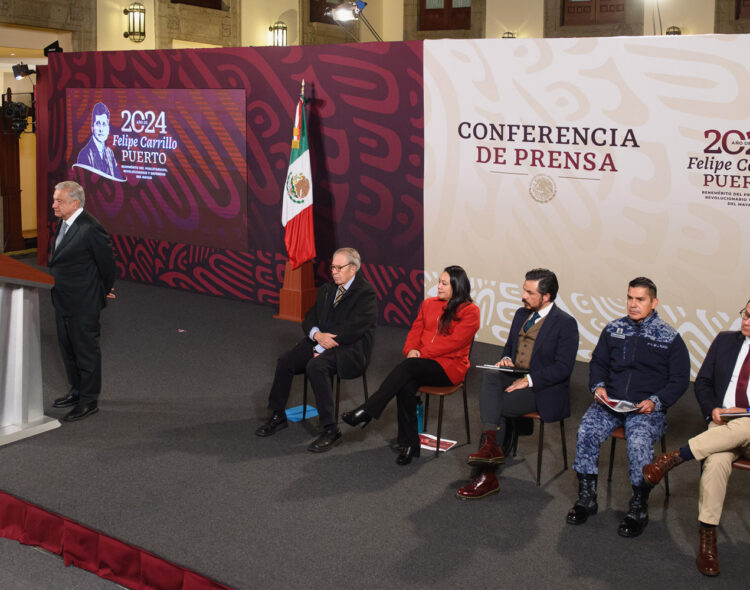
{"x": 426, "y": 411}
{"x": 364, "y": 384}
{"x": 611, "y": 459}
{"x": 440, "y": 427}
{"x": 539, "y": 453}
{"x": 338, "y": 397}
{"x": 666, "y": 475}
{"x": 466, "y": 416}
{"x": 304, "y": 399}
{"x": 564, "y": 445}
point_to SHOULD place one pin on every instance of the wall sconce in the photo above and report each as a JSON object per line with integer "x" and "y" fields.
{"x": 136, "y": 14}
{"x": 509, "y": 35}
{"x": 673, "y": 30}
{"x": 278, "y": 29}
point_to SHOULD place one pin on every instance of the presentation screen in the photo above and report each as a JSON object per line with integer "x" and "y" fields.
{"x": 162, "y": 164}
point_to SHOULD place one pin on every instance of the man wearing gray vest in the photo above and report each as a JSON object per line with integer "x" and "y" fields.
{"x": 541, "y": 348}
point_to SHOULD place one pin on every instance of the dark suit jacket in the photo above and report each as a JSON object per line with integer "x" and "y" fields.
{"x": 716, "y": 371}
{"x": 83, "y": 266}
{"x": 353, "y": 321}
{"x": 89, "y": 156}
{"x": 552, "y": 360}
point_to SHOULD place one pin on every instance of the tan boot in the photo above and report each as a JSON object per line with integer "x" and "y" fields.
{"x": 653, "y": 472}
{"x": 708, "y": 558}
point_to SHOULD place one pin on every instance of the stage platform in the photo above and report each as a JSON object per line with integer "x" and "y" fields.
{"x": 171, "y": 464}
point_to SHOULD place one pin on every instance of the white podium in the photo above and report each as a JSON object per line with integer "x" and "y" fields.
{"x": 21, "y": 404}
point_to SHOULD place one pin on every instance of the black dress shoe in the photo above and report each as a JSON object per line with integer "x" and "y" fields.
{"x": 276, "y": 423}
{"x": 406, "y": 455}
{"x": 357, "y": 417}
{"x": 325, "y": 441}
{"x": 81, "y": 411}
{"x": 67, "y": 400}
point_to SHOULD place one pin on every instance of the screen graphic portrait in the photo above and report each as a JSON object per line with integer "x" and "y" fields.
{"x": 95, "y": 155}
{"x": 177, "y": 159}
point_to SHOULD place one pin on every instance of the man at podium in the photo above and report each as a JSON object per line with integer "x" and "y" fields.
{"x": 83, "y": 265}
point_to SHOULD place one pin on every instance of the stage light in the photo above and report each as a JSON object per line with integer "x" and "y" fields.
{"x": 21, "y": 70}
{"x": 673, "y": 30}
{"x": 136, "y": 14}
{"x": 279, "y": 33}
{"x": 53, "y": 47}
{"x": 349, "y": 11}
{"x": 509, "y": 35}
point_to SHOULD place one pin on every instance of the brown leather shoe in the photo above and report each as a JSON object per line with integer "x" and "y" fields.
{"x": 484, "y": 485}
{"x": 489, "y": 452}
{"x": 708, "y": 560}
{"x": 653, "y": 472}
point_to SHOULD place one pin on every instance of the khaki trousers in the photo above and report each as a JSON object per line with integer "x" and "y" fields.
{"x": 719, "y": 446}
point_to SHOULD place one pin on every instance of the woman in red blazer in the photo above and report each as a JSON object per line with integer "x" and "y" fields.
{"x": 437, "y": 353}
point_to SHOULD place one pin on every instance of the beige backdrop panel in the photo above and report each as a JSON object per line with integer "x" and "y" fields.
{"x": 596, "y": 158}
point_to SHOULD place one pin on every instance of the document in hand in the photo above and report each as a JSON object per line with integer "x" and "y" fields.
{"x": 503, "y": 369}
{"x": 619, "y": 405}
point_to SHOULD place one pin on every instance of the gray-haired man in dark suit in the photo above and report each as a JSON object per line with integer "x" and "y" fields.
{"x": 83, "y": 265}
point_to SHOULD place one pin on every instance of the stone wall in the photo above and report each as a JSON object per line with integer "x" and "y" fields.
{"x": 77, "y": 16}
{"x": 201, "y": 25}
{"x": 725, "y": 19}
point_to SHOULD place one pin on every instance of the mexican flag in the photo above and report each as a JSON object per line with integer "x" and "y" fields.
{"x": 296, "y": 213}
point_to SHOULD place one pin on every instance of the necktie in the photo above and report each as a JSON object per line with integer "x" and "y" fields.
{"x": 740, "y": 394}
{"x": 339, "y": 295}
{"x": 531, "y": 321}
{"x": 61, "y": 235}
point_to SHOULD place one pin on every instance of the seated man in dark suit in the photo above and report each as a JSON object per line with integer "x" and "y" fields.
{"x": 543, "y": 340}
{"x": 721, "y": 388}
{"x": 339, "y": 330}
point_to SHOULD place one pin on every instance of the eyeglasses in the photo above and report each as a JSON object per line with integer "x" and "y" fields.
{"x": 336, "y": 268}
{"x": 744, "y": 316}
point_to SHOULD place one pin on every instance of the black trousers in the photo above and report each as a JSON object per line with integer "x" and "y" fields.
{"x": 318, "y": 370}
{"x": 495, "y": 404}
{"x": 78, "y": 338}
{"x": 402, "y": 383}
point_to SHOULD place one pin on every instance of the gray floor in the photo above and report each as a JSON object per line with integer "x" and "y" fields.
{"x": 171, "y": 464}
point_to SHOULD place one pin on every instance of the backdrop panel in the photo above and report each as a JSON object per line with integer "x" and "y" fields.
{"x": 602, "y": 159}
{"x": 365, "y": 125}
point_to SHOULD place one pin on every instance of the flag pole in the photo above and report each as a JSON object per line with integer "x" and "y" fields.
{"x": 298, "y": 291}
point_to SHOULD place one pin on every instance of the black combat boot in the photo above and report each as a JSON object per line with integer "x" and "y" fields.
{"x": 637, "y": 517}
{"x": 586, "y": 504}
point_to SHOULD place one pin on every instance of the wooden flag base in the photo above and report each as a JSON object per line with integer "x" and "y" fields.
{"x": 297, "y": 295}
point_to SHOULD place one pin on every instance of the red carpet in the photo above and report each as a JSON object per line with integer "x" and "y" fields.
{"x": 94, "y": 551}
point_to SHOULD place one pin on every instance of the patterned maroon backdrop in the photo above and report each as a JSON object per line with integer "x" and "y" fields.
{"x": 365, "y": 124}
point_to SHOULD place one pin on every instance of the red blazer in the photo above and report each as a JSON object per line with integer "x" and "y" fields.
{"x": 450, "y": 350}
